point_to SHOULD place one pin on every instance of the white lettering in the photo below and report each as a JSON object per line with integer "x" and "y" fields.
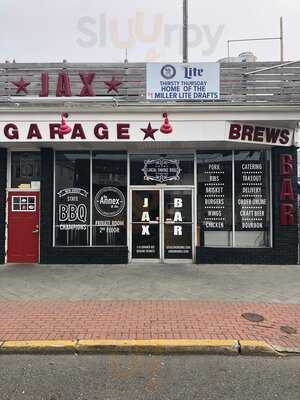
{"x": 177, "y": 230}
{"x": 145, "y": 230}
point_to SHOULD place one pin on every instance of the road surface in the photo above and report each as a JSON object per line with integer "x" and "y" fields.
{"x": 141, "y": 377}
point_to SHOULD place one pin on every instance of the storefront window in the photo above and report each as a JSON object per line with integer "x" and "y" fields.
{"x": 252, "y": 199}
{"x": 72, "y": 207}
{"x": 214, "y": 198}
{"x": 157, "y": 169}
{"x": 25, "y": 169}
{"x": 82, "y": 219}
{"x": 238, "y": 215}
{"x": 109, "y": 199}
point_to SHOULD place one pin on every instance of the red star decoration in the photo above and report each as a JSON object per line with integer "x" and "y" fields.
{"x": 113, "y": 84}
{"x": 149, "y": 132}
{"x": 21, "y": 85}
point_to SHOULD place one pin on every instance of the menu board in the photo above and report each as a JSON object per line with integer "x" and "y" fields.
{"x": 215, "y": 191}
{"x": 251, "y": 205}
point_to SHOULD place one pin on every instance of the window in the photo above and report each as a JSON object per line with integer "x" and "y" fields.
{"x": 23, "y": 203}
{"x": 234, "y": 198}
{"x": 90, "y": 198}
{"x": 25, "y": 169}
{"x": 215, "y": 199}
{"x": 109, "y": 199}
{"x": 72, "y": 191}
{"x": 252, "y": 199}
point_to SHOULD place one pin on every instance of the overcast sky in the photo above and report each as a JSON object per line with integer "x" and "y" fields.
{"x": 100, "y": 31}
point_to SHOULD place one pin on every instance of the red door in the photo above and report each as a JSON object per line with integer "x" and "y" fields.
{"x": 23, "y": 227}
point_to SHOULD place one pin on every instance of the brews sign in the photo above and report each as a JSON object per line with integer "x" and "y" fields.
{"x": 249, "y": 133}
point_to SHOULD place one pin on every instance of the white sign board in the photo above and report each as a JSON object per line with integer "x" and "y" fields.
{"x": 151, "y": 127}
{"x": 36, "y": 130}
{"x": 185, "y": 82}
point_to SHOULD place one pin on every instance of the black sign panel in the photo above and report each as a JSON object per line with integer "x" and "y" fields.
{"x": 155, "y": 169}
{"x": 251, "y": 191}
{"x": 215, "y": 191}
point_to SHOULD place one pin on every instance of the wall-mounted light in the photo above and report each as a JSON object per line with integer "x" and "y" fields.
{"x": 64, "y": 127}
{"x": 166, "y": 126}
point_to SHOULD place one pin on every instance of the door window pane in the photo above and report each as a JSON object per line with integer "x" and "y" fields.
{"x": 145, "y": 224}
{"x": 178, "y": 205}
{"x": 145, "y": 206}
{"x": 25, "y": 168}
{"x": 214, "y": 198}
{"x": 109, "y": 199}
{"x": 178, "y": 227}
{"x": 72, "y": 207}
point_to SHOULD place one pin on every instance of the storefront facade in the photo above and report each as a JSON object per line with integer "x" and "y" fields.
{"x": 147, "y": 182}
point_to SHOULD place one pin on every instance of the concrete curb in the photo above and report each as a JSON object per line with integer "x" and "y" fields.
{"x": 256, "y": 347}
{"x": 38, "y": 346}
{"x": 153, "y": 346}
{"x": 287, "y": 350}
{"x": 160, "y": 346}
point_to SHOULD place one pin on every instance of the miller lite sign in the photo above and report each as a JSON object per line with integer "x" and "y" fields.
{"x": 176, "y": 81}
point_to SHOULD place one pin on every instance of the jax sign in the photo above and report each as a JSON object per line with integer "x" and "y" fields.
{"x": 178, "y": 81}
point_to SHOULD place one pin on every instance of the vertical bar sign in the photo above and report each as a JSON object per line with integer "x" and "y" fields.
{"x": 287, "y": 195}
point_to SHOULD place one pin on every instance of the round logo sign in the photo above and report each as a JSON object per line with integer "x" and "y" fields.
{"x": 168, "y": 71}
{"x": 109, "y": 202}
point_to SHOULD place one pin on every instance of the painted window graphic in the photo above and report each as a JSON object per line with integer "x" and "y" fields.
{"x": 215, "y": 197}
{"x": 157, "y": 169}
{"x": 72, "y": 209}
{"x": 91, "y": 192}
{"x": 109, "y": 218}
{"x": 162, "y": 224}
{"x": 234, "y": 198}
{"x": 145, "y": 224}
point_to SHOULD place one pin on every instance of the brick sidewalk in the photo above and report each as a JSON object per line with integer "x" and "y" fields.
{"x": 53, "y": 320}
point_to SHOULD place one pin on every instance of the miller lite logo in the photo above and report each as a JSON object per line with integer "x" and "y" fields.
{"x": 194, "y": 72}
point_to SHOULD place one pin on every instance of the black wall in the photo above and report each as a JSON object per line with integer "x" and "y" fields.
{"x": 3, "y": 174}
{"x": 285, "y": 237}
{"x": 67, "y": 255}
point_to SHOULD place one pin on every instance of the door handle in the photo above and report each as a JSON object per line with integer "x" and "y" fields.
{"x": 36, "y": 230}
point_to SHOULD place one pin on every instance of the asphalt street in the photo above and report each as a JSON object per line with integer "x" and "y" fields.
{"x": 143, "y": 377}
